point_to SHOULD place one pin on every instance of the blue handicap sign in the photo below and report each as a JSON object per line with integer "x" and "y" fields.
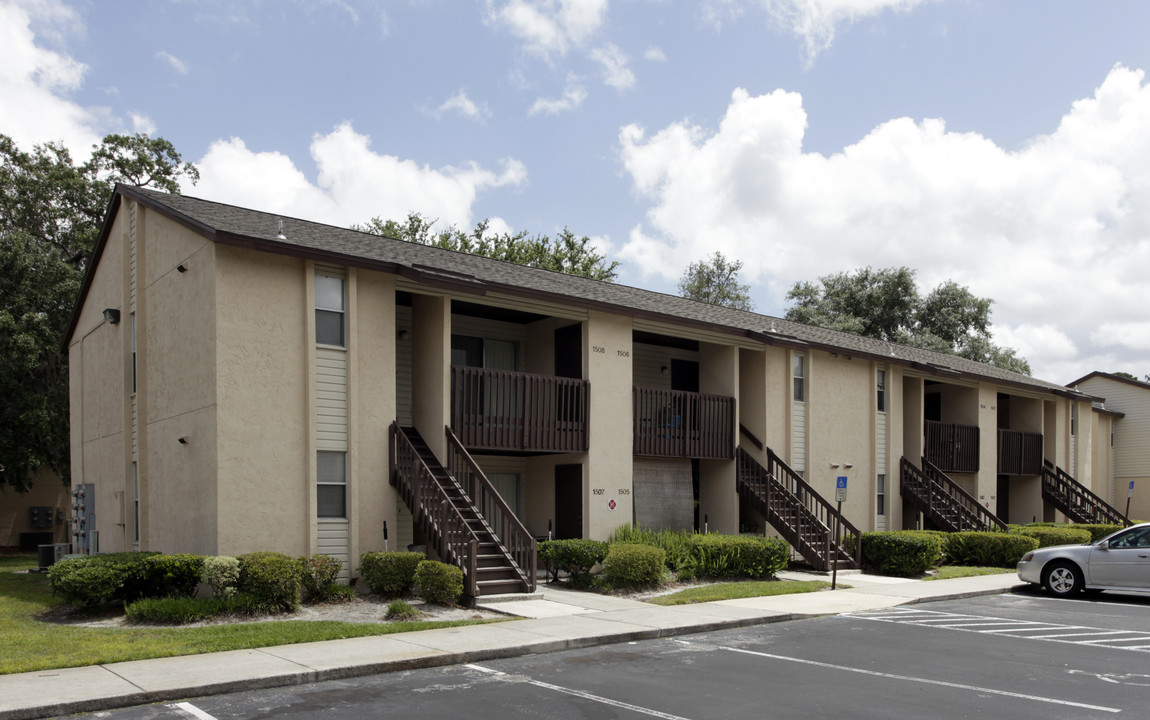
{"x": 841, "y": 483}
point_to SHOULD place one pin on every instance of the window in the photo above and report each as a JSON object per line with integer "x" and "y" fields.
{"x": 136, "y": 500}
{"x": 1073, "y": 419}
{"x": 880, "y": 495}
{"x": 331, "y": 484}
{"x": 881, "y": 390}
{"x": 329, "y": 309}
{"x": 132, "y": 323}
{"x": 800, "y": 375}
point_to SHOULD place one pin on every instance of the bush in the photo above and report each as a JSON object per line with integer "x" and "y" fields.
{"x": 176, "y": 610}
{"x": 222, "y": 574}
{"x": 677, "y": 544}
{"x": 318, "y": 574}
{"x": 901, "y": 552}
{"x": 1062, "y": 535}
{"x": 1098, "y": 531}
{"x": 724, "y": 556}
{"x": 988, "y": 549}
{"x": 575, "y": 557}
{"x": 400, "y": 610}
{"x": 173, "y": 575}
{"x": 389, "y": 573}
{"x": 271, "y": 579}
{"x": 634, "y": 566}
{"x": 438, "y": 582}
{"x": 101, "y": 579}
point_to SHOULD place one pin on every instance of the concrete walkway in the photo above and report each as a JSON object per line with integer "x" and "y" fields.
{"x": 554, "y": 619}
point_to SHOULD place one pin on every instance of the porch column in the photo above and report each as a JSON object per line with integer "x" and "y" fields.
{"x": 608, "y": 491}
{"x": 718, "y": 496}
{"x": 431, "y": 369}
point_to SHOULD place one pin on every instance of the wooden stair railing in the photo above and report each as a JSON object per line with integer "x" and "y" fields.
{"x": 801, "y": 515}
{"x": 942, "y": 500}
{"x": 1075, "y": 500}
{"x": 513, "y": 538}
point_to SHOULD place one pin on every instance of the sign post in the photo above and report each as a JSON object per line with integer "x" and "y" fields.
{"x": 1129, "y": 494}
{"x": 840, "y": 496}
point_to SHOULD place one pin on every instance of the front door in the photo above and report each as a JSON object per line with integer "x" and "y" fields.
{"x": 568, "y": 502}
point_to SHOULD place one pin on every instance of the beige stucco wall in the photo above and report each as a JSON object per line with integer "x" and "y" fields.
{"x": 46, "y": 491}
{"x": 778, "y": 400}
{"x": 265, "y": 498}
{"x": 607, "y": 473}
{"x": 753, "y": 400}
{"x": 539, "y": 489}
{"x": 895, "y": 433}
{"x": 718, "y": 495}
{"x": 986, "y": 489}
{"x": 431, "y": 370}
{"x": 840, "y": 416}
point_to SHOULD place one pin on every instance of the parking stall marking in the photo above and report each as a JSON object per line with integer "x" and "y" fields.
{"x": 1021, "y": 629}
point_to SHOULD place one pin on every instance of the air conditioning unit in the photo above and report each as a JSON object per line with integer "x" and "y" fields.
{"x": 49, "y": 555}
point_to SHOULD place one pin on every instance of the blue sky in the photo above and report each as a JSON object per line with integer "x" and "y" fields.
{"x": 1000, "y": 144}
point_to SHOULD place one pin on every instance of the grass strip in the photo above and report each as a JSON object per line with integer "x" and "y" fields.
{"x": 949, "y": 572}
{"x": 30, "y": 644}
{"x": 734, "y": 590}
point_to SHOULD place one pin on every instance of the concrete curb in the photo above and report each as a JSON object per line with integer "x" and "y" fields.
{"x": 310, "y": 675}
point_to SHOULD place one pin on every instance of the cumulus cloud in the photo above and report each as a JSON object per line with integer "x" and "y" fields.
{"x": 1058, "y": 233}
{"x": 174, "y": 62}
{"x": 615, "y": 70}
{"x": 549, "y": 27}
{"x": 812, "y": 21}
{"x": 573, "y": 96}
{"x": 465, "y": 106}
{"x": 655, "y": 54}
{"x": 354, "y": 182}
{"x": 142, "y": 123}
{"x": 35, "y": 81}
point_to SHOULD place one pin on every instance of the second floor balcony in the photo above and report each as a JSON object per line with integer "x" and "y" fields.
{"x": 516, "y": 412}
{"x": 680, "y": 424}
{"x": 951, "y": 447}
{"x": 1019, "y": 452}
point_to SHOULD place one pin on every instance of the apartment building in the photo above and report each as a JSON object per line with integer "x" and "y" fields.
{"x": 243, "y": 381}
{"x": 1122, "y": 449}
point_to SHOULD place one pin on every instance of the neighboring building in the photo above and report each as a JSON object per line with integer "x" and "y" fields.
{"x": 37, "y": 517}
{"x": 235, "y": 377}
{"x": 1122, "y": 452}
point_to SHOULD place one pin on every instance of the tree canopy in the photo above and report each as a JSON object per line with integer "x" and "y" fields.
{"x": 715, "y": 280}
{"x": 886, "y": 304}
{"x": 51, "y": 210}
{"x": 566, "y": 253}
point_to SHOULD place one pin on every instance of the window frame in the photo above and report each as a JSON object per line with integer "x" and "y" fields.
{"x": 880, "y": 389}
{"x": 880, "y": 495}
{"x": 325, "y": 311}
{"x": 322, "y": 483}
{"x": 799, "y": 377}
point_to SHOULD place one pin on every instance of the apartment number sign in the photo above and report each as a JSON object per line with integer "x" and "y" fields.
{"x": 600, "y": 350}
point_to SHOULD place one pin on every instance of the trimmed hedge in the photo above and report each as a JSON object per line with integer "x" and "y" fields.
{"x": 1098, "y": 531}
{"x": 1063, "y": 535}
{"x": 389, "y": 573}
{"x": 676, "y": 543}
{"x": 438, "y": 582}
{"x": 727, "y": 556}
{"x": 101, "y": 579}
{"x": 988, "y": 549}
{"x": 902, "y": 552}
{"x": 634, "y": 566}
{"x": 318, "y": 574}
{"x": 575, "y": 557}
{"x": 271, "y": 579}
{"x": 172, "y": 575}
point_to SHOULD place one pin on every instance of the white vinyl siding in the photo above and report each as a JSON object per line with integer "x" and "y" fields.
{"x": 798, "y": 436}
{"x": 333, "y": 536}
{"x": 881, "y": 448}
{"x": 648, "y": 362}
{"x": 334, "y": 540}
{"x": 331, "y": 398}
{"x": 1131, "y": 433}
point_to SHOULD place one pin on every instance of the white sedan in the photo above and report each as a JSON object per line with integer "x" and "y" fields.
{"x": 1120, "y": 561}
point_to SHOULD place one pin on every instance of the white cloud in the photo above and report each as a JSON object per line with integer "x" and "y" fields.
{"x": 176, "y": 64}
{"x": 354, "y": 183}
{"x": 549, "y": 27}
{"x": 813, "y": 21}
{"x": 655, "y": 54}
{"x": 573, "y": 96}
{"x": 142, "y": 124}
{"x": 615, "y": 70}
{"x": 460, "y": 103}
{"x": 1057, "y": 233}
{"x": 34, "y": 81}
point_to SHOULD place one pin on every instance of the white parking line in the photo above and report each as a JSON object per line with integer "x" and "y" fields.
{"x": 192, "y": 710}
{"x": 927, "y": 681}
{"x": 586, "y": 695}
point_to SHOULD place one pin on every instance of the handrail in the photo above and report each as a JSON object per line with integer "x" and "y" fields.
{"x": 814, "y": 502}
{"x": 677, "y": 423}
{"x": 511, "y": 533}
{"x": 519, "y": 412}
{"x": 751, "y": 436}
{"x": 454, "y": 540}
{"x": 1058, "y": 484}
{"x": 943, "y": 500}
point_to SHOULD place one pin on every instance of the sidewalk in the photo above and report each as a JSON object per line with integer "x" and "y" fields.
{"x": 555, "y": 619}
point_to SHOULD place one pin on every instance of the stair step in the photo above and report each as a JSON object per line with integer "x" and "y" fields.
{"x": 499, "y": 587}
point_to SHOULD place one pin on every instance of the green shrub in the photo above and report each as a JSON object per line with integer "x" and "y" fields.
{"x": 176, "y": 610}
{"x": 677, "y": 544}
{"x": 575, "y": 557}
{"x": 400, "y": 610}
{"x": 438, "y": 582}
{"x": 173, "y": 575}
{"x": 389, "y": 573}
{"x": 988, "y": 549}
{"x": 1098, "y": 531}
{"x": 725, "y": 556}
{"x": 222, "y": 574}
{"x": 271, "y": 579}
{"x": 901, "y": 552}
{"x": 101, "y": 579}
{"x": 1062, "y": 535}
{"x": 318, "y": 574}
{"x": 634, "y": 566}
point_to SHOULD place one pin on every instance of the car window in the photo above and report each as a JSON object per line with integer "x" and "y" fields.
{"x": 1139, "y": 538}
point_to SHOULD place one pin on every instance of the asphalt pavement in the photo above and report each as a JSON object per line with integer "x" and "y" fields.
{"x": 552, "y": 619}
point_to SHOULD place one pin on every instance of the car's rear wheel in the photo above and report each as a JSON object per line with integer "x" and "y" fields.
{"x": 1062, "y": 578}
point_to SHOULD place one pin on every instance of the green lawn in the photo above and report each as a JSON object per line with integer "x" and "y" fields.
{"x": 949, "y": 572}
{"x": 29, "y": 644}
{"x": 733, "y": 590}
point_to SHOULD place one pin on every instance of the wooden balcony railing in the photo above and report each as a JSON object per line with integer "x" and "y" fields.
{"x": 519, "y": 412}
{"x": 1019, "y": 452}
{"x": 674, "y": 423}
{"x": 951, "y": 447}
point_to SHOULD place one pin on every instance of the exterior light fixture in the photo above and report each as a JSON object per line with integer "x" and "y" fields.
{"x": 182, "y": 268}
{"x": 663, "y": 369}
{"x": 835, "y": 465}
{"x": 280, "y": 235}
{"x": 111, "y": 315}
{"x": 183, "y": 440}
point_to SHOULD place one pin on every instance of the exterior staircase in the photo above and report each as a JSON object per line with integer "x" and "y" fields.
{"x": 494, "y": 550}
{"x": 942, "y": 500}
{"x": 1075, "y": 500}
{"x": 797, "y": 512}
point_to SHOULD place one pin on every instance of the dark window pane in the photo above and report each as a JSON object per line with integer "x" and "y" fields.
{"x": 332, "y": 501}
{"x": 329, "y": 327}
